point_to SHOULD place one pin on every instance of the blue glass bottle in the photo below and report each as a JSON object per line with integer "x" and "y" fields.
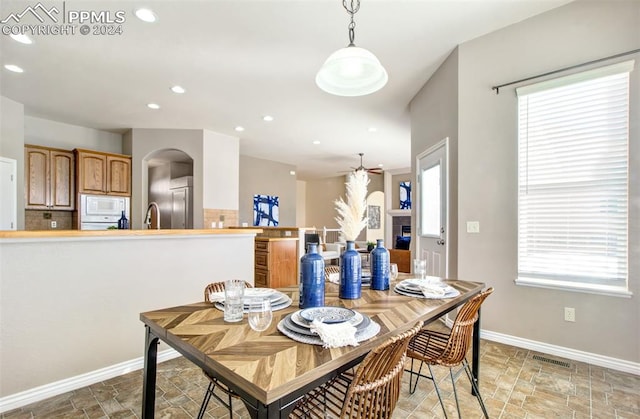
{"x": 311, "y": 278}
{"x": 350, "y": 273}
{"x": 379, "y": 267}
{"x": 123, "y": 223}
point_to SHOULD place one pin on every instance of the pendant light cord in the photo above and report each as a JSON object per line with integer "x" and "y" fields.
{"x": 355, "y": 6}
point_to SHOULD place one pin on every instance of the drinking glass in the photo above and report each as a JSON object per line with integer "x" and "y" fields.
{"x": 260, "y": 314}
{"x": 233, "y": 300}
{"x": 420, "y": 268}
{"x": 393, "y": 271}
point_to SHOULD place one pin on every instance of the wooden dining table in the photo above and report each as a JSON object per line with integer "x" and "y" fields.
{"x": 268, "y": 370}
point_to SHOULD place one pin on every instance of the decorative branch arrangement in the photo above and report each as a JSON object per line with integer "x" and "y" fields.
{"x": 351, "y": 214}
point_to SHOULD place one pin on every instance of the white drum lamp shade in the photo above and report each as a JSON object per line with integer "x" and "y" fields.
{"x": 351, "y": 71}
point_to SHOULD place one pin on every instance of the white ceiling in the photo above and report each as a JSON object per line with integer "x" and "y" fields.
{"x": 240, "y": 60}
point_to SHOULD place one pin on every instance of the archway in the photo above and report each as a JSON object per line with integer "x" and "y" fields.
{"x": 169, "y": 190}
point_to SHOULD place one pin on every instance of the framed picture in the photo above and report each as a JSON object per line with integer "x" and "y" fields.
{"x": 265, "y": 210}
{"x": 405, "y": 195}
{"x": 373, "y": 212}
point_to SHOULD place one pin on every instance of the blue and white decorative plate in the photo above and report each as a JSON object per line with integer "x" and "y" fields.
{"x": 297, "y": 319}
{"x": 327, "y": 314}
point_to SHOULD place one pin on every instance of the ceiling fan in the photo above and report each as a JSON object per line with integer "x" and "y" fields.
{"x": 372, "y": 170}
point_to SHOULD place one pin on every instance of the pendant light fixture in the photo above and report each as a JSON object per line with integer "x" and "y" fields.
{"x": 351, "y": 71}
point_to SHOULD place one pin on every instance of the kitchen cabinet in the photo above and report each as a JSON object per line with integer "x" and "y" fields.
{"x": 103, "y": 173}
{"x": 49, "y": 178}
{"x": 276, "y": 262}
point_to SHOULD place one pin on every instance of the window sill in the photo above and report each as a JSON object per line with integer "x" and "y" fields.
{"x": 609, "y": 291}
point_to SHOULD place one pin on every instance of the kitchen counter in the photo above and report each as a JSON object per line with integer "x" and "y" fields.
{"x": 120, "y": 234}
{"x": 50, "y": 280}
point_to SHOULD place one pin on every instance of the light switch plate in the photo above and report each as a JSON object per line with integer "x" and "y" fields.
{"x": 54, "y": 224}
{"x": 473, "y": 226}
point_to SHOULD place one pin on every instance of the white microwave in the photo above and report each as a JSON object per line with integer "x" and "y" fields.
{"x": 103, "y": 208}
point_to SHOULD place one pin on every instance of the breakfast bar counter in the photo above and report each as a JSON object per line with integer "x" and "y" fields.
{"x": 120, "y": 234}
{"x": 70, "y": 300}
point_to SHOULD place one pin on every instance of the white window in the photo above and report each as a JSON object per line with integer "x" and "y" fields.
{"x": 573, "y": 135}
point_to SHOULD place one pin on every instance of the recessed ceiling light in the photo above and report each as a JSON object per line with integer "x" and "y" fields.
{"x": 153, "y": 106}
{"x": 178, "y": 89}
{"x": 22, "y": 38}
{"x": 14, "y": 68}
{"x": 267, "y": 118}
{"x": 373, "y": 129}
{"x": 146, "y": 15}
{"x": 316, "y": 142}
{"x": 292, "y": 172}
{"x": 380, "y": 164}
{"x": 239, "y": 128}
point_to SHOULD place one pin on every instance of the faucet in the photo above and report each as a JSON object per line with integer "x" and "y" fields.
{"x": 147, "y": 218}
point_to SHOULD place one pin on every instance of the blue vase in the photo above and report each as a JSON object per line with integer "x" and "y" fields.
{"x": 350, "y": 273}
{"x": 123, "y": 223}
{"x": 311, "y": 278}
{"x": 380, "y": 267}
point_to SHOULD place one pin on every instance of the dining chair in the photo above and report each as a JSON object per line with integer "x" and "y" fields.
{"x": 371, "y": 391}
{"x": 448, "y": 349}
{"x": 213, "y": 382}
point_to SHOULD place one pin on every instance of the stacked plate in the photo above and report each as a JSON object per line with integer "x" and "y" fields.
{"x": 366, "y": 278}
{"x": 425, "y": 288}
{"x": 297, "y": 325}
{"x": 278, "y": 299}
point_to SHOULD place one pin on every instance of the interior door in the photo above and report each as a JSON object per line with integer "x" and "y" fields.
{"x": 8, "y": 194}
{"x": 431, "y": 210}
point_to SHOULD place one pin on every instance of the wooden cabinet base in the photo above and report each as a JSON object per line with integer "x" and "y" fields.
{"x": 276, "y": 262}
{"x": 402, "y": 258}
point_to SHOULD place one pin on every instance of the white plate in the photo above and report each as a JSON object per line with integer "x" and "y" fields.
{"x": 275, "y": 297}
{"x": 258, "y": 292}
{"x": 429, "y": 280}
{"x": 449, "y": 294}
{"x": 367, "y": 333}
{"x": 274, "y": 307}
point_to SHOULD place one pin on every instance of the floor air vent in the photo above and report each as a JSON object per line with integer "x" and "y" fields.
{"x": 551, "y": 361}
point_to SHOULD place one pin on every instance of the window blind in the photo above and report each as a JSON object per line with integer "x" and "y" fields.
{"x": 573, "y": 178}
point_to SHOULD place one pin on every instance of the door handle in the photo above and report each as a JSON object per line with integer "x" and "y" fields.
{"x": 440, "y": 242}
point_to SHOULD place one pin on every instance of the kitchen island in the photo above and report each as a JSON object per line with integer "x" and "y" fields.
{"x": 70, "y": 300}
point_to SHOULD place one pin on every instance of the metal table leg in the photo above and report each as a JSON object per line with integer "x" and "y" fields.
{"x": 475, "y": 365}
{"x": 149, "y": 376}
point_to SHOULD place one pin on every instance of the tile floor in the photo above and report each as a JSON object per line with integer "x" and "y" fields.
{"x": 513, "y": 385}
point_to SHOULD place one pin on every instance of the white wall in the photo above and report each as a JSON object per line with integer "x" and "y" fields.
{"x": 434, "y": 116}
{"x": 49, "y": 133}
{"x": 221, "y": 171}
{"x": 301, "y": 203}
{"x": 72, "y": 306}
{"x": 578, "y": 32}
{"x": 12, "y": 146}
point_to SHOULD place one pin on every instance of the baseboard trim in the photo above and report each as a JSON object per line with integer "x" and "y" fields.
{"x": 573, "y": 354}
{"x": 17, "y": 400}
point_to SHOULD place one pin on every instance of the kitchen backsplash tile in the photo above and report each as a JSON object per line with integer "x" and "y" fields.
{"x": 214, "y": 215}
{"x": 35, "y": 220}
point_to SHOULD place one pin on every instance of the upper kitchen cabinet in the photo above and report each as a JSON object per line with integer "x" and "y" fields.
{"x": 103, "y": 173}
{"x": 49, "y": 178}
